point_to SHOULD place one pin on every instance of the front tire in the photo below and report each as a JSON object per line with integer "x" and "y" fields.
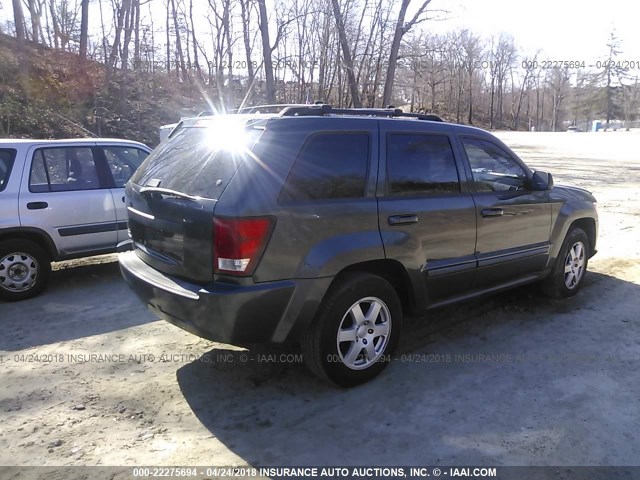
{"x": 567, "y": 275}
{"x": 24, "y": 269}
{"x": 356, "y": 330}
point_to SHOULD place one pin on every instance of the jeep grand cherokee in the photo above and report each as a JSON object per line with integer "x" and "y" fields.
{"x": 325, "y": 226}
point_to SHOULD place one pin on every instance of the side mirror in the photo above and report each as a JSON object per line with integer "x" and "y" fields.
{"x": 541, "y": 181}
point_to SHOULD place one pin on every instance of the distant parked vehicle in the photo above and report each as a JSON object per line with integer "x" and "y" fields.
{"x": 573, "y": 128}
{"x": 60, "y": 199}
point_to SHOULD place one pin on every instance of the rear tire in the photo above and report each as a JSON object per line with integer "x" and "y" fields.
{"x": 567, "y": 275}
{"x": 24, "y": 269}
{"x": 355, "y": 331}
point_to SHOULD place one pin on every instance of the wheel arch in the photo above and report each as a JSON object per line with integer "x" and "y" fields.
{"x": 393, "y": 272}
{"x": 390, "y": 270}
{"x": 589, "y": 226}
{"x": 33, "y": 234}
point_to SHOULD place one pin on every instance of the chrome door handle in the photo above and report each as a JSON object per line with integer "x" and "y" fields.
{"x": 405, "y": 219}
{"x": 492, "y": 212}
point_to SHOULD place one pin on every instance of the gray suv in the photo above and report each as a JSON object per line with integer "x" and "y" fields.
{"x": 60, "y": 199}
{"x": 326, "y": 226}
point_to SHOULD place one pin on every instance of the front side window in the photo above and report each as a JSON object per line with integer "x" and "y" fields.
{"x": 7, "y": 156}
{"x": 330, "y": 165}
{"x": 493, "y": 169}
{"x": 123, "y": 161}
{"x": 419, "y": 164}
{"x": 63, "y": 169}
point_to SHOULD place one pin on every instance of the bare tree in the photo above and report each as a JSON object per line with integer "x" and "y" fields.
{"x": 524, "y": 86}
{"x": 472, "y": 51}
{"x": 120, "y": 12}
{"x": 346, "y": 55}
{"x": 266, "y": 52}
{"x": 434, "y": 65}
{"x": 35, "y": 12}
{"x": 612, "y": 71}
{"x": 179, "y": 51}
{"x": 136, "y": 32}
{"x": 84, "y": 29}
{"x": 401, "y": 29}
{"x": 245, "y": 15}
{"x": 168, "y": 34}
{"x": 18, "y": 19}
{"x": 503, "y": 56}
{"x": 129, "y": 28}
{"x": 195, "y": 41}
{"x": 559, "y": 84}
{"x": 104, "y": 35}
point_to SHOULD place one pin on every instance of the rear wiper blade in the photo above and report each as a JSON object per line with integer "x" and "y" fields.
{"x": 167, "y": 192}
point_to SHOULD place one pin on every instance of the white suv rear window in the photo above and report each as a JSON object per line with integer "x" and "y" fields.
{"x": 7, "y": 156}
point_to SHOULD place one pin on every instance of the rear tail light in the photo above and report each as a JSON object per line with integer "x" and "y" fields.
{"x": 238, "y": 243}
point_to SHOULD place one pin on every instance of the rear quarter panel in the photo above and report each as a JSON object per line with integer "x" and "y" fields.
{"x": 310, "y": 239}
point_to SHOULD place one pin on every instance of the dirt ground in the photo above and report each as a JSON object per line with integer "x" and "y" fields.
{"x": 515, "y": 379}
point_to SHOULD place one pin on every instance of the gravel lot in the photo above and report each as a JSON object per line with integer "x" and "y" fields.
{"x": 515, "y": 379}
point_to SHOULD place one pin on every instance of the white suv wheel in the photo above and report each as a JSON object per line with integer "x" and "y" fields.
{"x": 24, "y": 268}
{"x": 18, "y": 272}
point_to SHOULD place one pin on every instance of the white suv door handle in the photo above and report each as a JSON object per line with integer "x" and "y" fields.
{"x": 37, "y": 205}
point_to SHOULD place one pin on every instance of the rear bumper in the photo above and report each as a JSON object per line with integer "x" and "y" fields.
{"x": 260, "y": 313}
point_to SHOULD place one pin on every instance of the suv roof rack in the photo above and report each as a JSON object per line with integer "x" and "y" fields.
{"x": 274, "y": 108}
{"x": 326, "y": 109}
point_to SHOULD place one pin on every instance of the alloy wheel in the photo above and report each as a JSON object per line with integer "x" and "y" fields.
{"x": 574, "y": 265}
{"x": 364, "y": 332}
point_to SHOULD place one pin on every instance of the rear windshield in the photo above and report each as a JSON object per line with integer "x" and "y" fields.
{"x": 199, "y": 160}
{"x": 7, "y": 155}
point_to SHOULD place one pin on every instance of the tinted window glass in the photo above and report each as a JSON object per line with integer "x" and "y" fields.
{"x": 198, "y": 160}
{"x": 6, "y": 162}
{"x": 421, "y": 165}
{"x": 330, "y": 165}
{"x": 493, "y": 168}
{"x": 123, "y": 161}
{"x": 63, "y": 169}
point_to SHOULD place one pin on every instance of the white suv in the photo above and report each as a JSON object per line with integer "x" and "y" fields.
{"x": 60, "y": 199}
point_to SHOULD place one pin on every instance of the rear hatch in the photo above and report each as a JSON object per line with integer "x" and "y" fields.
{"x": 172, "y": 196}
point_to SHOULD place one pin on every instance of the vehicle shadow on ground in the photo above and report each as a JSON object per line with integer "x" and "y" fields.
{"x": 78, "y": 302}
{"x": 266, "y": 408}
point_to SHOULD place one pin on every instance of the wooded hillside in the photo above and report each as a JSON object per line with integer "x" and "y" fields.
{"x": 133, "y": 65}
{"x": 48, "y": 93}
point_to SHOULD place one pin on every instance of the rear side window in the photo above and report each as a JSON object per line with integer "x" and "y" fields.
{"x": 7, "y": 156}
{"x": 63, "y": 169}
{"x": 329, "y": 165}
{"x": 123, "y": 161}
{"x": 419, "y": 164}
